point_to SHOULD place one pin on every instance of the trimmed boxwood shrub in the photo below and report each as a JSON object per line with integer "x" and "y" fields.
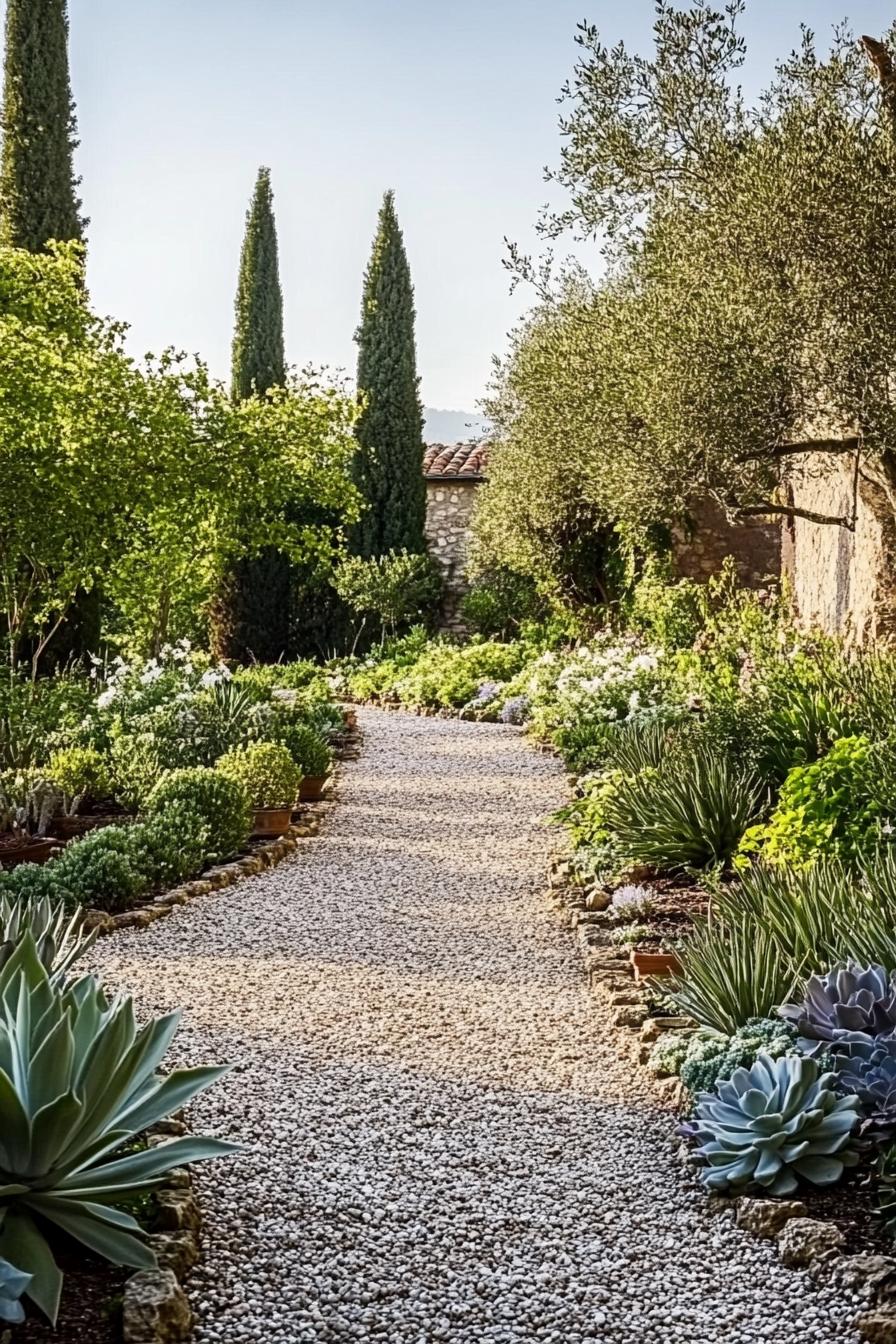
{"x": 217, "y": 798}
{"x": 267, "y": 771}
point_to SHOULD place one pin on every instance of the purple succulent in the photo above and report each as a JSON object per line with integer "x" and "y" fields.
{"x": 851, "y": 1003}
{"x": 868, "y": 1071}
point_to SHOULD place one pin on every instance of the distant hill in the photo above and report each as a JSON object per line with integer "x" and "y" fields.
{"x": 452, "y": 426}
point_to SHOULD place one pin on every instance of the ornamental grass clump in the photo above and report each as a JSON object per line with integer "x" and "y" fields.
{"x": 729, "y": 973}
{"x": 79, "y": 1081}
{"x": 774, "y": 1125}
{"x": 690, "y": 812}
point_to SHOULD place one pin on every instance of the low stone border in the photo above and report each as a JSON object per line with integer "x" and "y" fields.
{"x": 802, "y": 1242}
{"x": 155, "y": 1309}
{"x": 266, "y": 855}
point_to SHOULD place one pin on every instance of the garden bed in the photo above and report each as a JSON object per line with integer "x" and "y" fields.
{"x": 636, "y": 1018}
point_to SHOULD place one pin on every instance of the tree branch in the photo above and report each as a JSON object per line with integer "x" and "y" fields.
{"x": 793, "y": 511}
{"x": 830, "y": 446}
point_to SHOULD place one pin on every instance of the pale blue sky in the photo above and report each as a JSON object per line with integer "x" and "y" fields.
{"x": 452, "y": 104}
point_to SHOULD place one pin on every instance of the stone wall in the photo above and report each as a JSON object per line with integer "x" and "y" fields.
{"x": 700, "y": 550}
{"x": 842, "y": 581}
{"x": 449, "y": 508}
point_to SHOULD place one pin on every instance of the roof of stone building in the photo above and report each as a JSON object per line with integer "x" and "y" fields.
{"x": 453, "y": 461}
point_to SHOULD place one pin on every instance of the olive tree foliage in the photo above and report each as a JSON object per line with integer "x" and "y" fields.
{"x": 746, "y": 317}
{"x": 147, "y": 476}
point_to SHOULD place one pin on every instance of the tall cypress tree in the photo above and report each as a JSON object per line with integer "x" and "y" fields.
{"x": 252, "y": 615}
{"x": 259, "y": 361}
{"x": 389, "y": 461}
{"x": 38, "y": 188}
{"x": 39, "y": 193}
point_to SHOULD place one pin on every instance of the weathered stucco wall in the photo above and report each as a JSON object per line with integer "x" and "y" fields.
{"x": 842, "y": 581}
{"x": 449, "y": 508}
{"x": 700, "y": 550}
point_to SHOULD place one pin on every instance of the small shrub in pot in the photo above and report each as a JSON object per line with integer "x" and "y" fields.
{"x": 266, "y": 771}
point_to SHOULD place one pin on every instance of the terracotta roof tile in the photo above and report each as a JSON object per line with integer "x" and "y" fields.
{"x": 447, "y": 461}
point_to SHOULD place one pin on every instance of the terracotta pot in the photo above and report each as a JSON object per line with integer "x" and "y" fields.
{"x": 69, "y": 828}
{"x": 311, "y": 788}
{"x": 37, "y": 850}
{"x": 654, "y": 964}
{"x": 272, "y": 820}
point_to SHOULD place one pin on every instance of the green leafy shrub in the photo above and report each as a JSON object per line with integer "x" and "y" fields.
{"x": 101, "y": 870}
{"x": 500, "y": 603}
{"x": 666, "y": 610}
{"x": 775, "y": 1124}
{"x": 395, "y": 588}
{"x": 690, "y": 812}
{"x": 62, "y": 1158}
{"x": 267, "y": 772}
{"x": 219, "y": 800}
{"x": 449, "y": 675}
{"x": 824, "y": 810}
{"x": 80, "y": 774}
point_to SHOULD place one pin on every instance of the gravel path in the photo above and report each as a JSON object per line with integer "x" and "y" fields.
{"x": 438, "y": 1145}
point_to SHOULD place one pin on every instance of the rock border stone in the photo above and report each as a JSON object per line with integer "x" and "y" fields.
{"x": 155, "y": 1308}
{"x": 802, "y": 1242}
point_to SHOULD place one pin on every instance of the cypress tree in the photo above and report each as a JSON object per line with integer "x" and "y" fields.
{"x": 389, "y": 461}
{"x": 252, "y": 615}
{"x": 38, "y": 188}
{"x": 259, "y": 361}
{"x": 39, "y": 195}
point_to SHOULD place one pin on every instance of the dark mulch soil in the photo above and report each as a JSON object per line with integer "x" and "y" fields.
{"x": 675, "y": 906}
{"x": 91, "y": 1306}
{"x": 851, "y": 1206}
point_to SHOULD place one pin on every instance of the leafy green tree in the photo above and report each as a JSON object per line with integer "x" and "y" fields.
{"x": 253, "y": 610}
{"x": 396, "y": 588}
{"x": 38, "y": 187}
{"x": 389, "y": 462}
{"x": 73, "y": 444}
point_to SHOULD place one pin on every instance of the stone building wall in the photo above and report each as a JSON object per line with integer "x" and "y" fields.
{"x": 841, "y": 581}
{"x": 700, "y": 551}
{"x": 449, "y": 509}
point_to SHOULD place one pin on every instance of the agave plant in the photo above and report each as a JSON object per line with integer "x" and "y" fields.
{"x": 13, "y": 1284}
{"x": 60, "y": 937}
{"x": 851, "y": 1003}
{"x": 774, "y": 1124}
{"x": 78, "y": 1080}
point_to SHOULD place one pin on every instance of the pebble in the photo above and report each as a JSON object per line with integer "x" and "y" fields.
{"x": 439, "y": 1143}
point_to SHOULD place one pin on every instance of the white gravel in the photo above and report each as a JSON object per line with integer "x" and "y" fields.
{"x": 438, "y": 1144}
